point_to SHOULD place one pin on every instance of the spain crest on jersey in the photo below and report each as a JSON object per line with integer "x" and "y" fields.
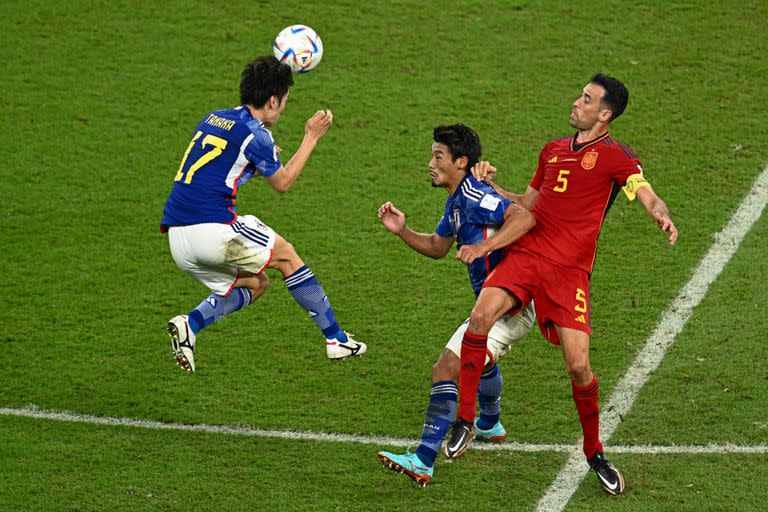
{"x": 589, "y": 160}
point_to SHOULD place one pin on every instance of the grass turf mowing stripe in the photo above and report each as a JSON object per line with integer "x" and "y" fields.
{"x": 672, "y": 322}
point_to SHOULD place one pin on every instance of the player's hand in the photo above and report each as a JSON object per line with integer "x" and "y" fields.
{"x": 665, "y": 223}
{"x": 278, "y": 149}
{"x": 658, "y": 211}
{"x": 469, "y": 253}
{"x": 392, "y": 218}
{"x": 483, "y": 171}
{"x": 318, "y": 124}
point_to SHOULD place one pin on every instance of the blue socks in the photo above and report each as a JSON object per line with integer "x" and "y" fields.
{"x": 216, "y": 307}
{"x": 489, "y": 397}
{"x": 440, "y": 414}
{"x": 442, "y": 407}
{"x": 305, "y": 289}
{"x": 308, "y": 293}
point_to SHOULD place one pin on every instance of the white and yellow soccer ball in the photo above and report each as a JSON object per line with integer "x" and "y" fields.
{"x": 300, "y": 47}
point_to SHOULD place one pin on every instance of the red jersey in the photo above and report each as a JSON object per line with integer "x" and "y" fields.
{"x": 577, "y": 184}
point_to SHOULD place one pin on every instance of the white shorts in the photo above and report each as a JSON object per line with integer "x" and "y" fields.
{"x": 213, "y": 253}
{"x": 504, "y": 333}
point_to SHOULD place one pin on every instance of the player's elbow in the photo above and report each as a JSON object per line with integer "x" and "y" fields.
{"x": 281, "y": 180}
{"x": 437, "y": 255}
{"x": 435, "y": 252}
{"x": 438, "y": 247}
{"x": 529, "y": 221}
{"x": 280, "y": 187}
{"x": 523, "y": 218}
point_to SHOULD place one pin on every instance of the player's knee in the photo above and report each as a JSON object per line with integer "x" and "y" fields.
{"x": 260, "y": 285}
{"x": 284, "y": 249}
{"x": 441, "y": 371}
{"x": 579, "y": 371}
{"x": 289, "y": 252}
{"x": 446, "y": 368}
{"x": 285, "y": 258}
{"x": 481, "y": 321}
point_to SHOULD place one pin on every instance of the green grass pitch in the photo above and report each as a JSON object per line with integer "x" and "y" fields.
{"x": 99, "y": 102}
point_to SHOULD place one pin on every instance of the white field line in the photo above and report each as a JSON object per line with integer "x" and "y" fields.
{"x": 380, "y": 441}
{"x": 672, "y": 322}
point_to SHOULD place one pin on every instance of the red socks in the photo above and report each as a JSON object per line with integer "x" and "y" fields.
{"x": 472, "y": 362}
{"x": 589, "y": 416}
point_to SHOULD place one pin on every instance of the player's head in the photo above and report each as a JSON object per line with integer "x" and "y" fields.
{"x": 616, "y": 95}
{"x": 455, "y": 150}
{"x": 602, "y": 100}
{"x": 264, "y": 84}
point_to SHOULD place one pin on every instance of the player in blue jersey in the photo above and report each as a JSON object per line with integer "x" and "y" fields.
{"x": 228, "y": 252}
{"x": 472, "y": 212}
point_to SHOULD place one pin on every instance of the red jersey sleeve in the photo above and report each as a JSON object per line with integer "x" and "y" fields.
{"x": 626, "y": 164}
{"x": 538, "y": 176}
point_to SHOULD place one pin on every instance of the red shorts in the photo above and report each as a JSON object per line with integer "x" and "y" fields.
{"x": 560, "y": 294}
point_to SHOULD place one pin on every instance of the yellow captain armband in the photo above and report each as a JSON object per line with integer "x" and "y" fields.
{"x": 634, "y": 183}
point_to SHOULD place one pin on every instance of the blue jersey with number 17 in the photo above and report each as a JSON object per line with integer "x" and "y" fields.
{"x": 227, "y": 149}
{"x": 472, "y": 214}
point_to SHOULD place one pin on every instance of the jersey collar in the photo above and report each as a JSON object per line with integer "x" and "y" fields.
{"x": 247, "y": 115}
{"x": 575, "y": 146}
{"x": 458, "y": 187}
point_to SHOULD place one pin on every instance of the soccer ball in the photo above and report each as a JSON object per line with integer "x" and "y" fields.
{"x": 300, "y": 47}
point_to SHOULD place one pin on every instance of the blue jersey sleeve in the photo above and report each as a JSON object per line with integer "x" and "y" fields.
{"x": 488, "y": 211}
{"x": 261, "y": 151}
{"x": 444, "y": 228}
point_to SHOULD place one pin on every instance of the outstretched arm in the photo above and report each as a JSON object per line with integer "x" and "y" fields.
{"x": 517, "y": 222}
{"x": 317, "y": 126}
{"x": 432, "y": 245}
{"x": 484, "y": 171}
{"x": 528, "y": 199}
{"x": 658, "y": 210}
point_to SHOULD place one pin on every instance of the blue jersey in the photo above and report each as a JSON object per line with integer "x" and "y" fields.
{"x": 472, "y": 214}
{"x": 227, "y": 149}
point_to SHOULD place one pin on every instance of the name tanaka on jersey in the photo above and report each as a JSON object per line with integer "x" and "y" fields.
{"x": 220, "y": 122}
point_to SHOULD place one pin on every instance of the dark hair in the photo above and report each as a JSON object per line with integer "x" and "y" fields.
{"x": 263, "y": 78}
{"x": 616, "y": 94}
{"x": 461, "y": 141}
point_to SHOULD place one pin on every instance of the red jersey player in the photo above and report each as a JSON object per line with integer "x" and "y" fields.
{"x": 576, "y": 180}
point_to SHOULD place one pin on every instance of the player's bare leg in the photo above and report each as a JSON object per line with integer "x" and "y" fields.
{"x": 284, "y": 257}
{"x": 256, "y": 283}
{"x": 575, "y": 347}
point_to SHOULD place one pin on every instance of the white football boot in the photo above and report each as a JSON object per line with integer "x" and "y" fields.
{"x": 182, "y": 342}
{"x": 338, "y": 350}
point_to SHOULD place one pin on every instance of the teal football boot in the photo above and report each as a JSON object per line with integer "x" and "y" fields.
{"x": 408, "y": 463}
{"x": 495, "y": 434}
